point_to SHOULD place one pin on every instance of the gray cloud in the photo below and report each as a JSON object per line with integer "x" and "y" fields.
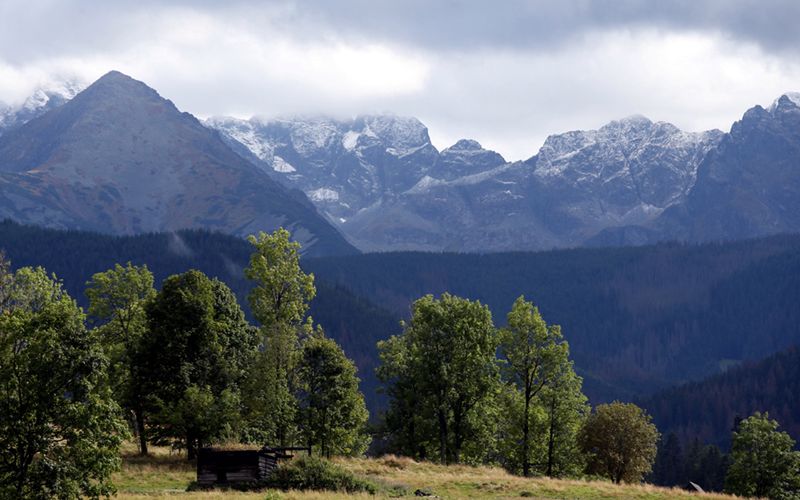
{"x": 506, "y": 73}
{"x": 470, "y": 24}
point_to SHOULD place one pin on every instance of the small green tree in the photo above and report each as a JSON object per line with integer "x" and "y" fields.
{"x": 445, "y": 361}
{"x": 333, "y": 415}
{"x": 116, "y": 299}
{"x": 619, "y": 441}
{"x": 535, "y": 354}
{"x": 60, "y": 429}
{"x": 765, "y": 463}
{"x": 194, "y": 358}
{"x": 279, "y": 301}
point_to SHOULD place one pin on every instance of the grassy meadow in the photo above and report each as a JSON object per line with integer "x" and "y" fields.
{"x": 166, "y": 475}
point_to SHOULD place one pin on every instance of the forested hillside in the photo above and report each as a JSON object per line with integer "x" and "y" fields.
{"x": 637, "y": 319}
{"x": 708, "y": 410}
{"x": 74, "y": 256}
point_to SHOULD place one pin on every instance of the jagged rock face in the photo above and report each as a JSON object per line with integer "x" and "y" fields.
{"x": 625, "y": 173}
{"x": 580, "y": 183}
{"x": 750, "y": 185}
{"x": 484, "y": 212}
{"x": 343, "y": 166}
{"x": 388, "y": 189}
{"x": 466, "y": 157}
{"x": 42, "y": 101}
{"x": 119, "y": 158}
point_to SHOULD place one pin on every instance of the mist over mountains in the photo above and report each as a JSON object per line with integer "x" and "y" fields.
{"x": 119, "y": 158}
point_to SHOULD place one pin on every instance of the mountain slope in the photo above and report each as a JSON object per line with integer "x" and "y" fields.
{"x": 749, "y": 185}
{"x": 637, "y": 319}
{"x": 708, "y": 409}
{"x": 343, "y": 166}
{"x": 581, "y": 182}
{"x": 627, "y": 172}
{"x": 119, "y": 158}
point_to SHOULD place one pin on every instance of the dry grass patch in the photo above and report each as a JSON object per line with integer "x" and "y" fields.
{"x": 166, "y": 474}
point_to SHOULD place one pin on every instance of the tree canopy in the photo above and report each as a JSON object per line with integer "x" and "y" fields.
{"x": 60, "y": 429}
{"x": 764, "y": 462}
{"x": 620, "y": 442}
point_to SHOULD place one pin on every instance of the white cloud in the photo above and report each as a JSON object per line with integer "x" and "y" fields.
{"x": 269, "y": 60}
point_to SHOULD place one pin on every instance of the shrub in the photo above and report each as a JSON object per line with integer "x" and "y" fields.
{"x": 312, "y": 473}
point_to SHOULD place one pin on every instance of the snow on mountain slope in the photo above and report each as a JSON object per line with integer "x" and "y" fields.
{"x": 342, "y": 165}
{"x": 45, "y": 98}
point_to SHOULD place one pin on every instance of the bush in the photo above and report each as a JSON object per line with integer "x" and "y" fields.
{"x": 312, "y": 473}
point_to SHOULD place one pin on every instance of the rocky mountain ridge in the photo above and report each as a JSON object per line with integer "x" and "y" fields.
{"x": 382, "y": 183}
{"x": 118, "y": 158}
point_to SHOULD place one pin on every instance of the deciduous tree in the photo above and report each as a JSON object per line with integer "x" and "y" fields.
{"x": 620, "y": 442}
{"x": 445, "y": 360}
{"x": 535, "y": 354}
{"x": 279, "y": 301}
{"x": 116, "y": 300}
{"x": 60, "y": 429}
{"x": 764, "y": 462}
{"x": 333, "y": 414}
{"x": 194, "y": 358}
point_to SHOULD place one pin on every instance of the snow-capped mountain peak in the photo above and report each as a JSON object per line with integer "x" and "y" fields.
{"x": 789, "y": 100}
{"x": 43, "y": 99}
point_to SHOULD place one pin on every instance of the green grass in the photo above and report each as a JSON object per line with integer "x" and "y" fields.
{"x": 165, "y": 475}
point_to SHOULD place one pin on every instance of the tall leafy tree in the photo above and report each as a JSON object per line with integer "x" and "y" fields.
{"x": 279, "y": 301}
{"x": 116, "y": 299}
{"x": 565, "y": 410}
{"x": 535, "y": 354}
{"x": 194, "y": 358}
{"x": 446, "y": 358}
{"x": 620, "y": 442}
{"x": 764, "y": 462}
{"x": 333, "y": 414}
{"x": 60, "y": 429}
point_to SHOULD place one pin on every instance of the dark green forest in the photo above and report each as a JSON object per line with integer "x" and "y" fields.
{"x": 637, "y": 319}
{"x": 708, "y": 410}
{"x": 74, "y": 256}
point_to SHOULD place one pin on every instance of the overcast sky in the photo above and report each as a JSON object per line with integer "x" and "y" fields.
{"x": 506, "y": 73}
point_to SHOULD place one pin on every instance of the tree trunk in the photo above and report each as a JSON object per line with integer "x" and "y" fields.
{"x": 552, "y": 438}
{"x": 526, "y": 466}
{"x": 191, "y": 448}
{"x": 443, "y": 436}
{"x": 138, "y": 415}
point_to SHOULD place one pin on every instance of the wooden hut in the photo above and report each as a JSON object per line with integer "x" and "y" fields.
{"x": 225, "y": 467}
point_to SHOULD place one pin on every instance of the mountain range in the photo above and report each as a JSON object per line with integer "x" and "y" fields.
{"x": 119, "y": 158}
{"x": 632, "y": 181}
